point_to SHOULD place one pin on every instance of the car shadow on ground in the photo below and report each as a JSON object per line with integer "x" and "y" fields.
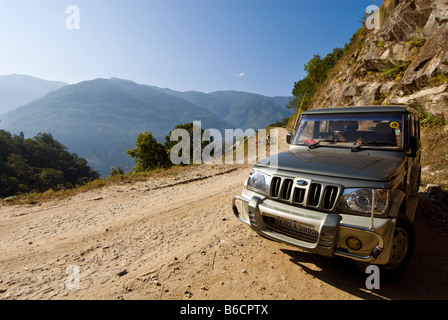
{"x": 425, "y": 277}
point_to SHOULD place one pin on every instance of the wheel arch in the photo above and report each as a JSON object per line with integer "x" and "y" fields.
{"x": 398, "y": 206}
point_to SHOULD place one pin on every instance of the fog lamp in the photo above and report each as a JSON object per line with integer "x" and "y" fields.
{"x": 353, "y": 243}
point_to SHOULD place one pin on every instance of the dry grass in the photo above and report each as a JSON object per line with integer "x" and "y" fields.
{"x": 35, "y": 198}
{"x": 435, "y": 157}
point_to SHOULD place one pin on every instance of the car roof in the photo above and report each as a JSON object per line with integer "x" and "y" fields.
{"x": 363, "y": 109}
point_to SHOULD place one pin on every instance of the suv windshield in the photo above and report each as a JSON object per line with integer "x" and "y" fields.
{"x": 355, "y": 131}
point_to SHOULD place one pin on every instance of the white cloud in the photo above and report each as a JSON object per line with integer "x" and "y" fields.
{"x": 242, "y": 74}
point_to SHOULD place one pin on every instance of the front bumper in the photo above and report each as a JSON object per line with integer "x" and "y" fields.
{"x": 330, "y": 230}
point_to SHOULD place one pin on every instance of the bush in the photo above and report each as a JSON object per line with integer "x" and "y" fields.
{"x": 416, "y": 43}
{"x": 428, "y": 120}
{"x": 439, "y": 80}
{"x": 317, "y": 70}
{"x": 116, "y": 172}
{"x": 148, "y": 154}
{"x": 394, "y": 71}
{"x": 380, "y": 44}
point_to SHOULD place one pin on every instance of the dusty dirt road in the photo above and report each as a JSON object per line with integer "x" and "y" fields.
{"x": 176, "y": 238}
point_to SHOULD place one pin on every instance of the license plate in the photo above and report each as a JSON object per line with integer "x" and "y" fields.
{"x": 294, "y": 226}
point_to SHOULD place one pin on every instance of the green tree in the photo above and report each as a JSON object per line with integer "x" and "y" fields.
{"x": 317, "y": 69}
{"x": 51, "y": 178}
{"x": 148, "y": 154}
{"x": 116, "y": 172}
{"x": 190, "y": 128}
{"x": 38, "y": 164}
{"x": 20, "y": 170}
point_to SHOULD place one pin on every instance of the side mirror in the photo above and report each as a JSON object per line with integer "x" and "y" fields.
{"x": 288, "y": 138}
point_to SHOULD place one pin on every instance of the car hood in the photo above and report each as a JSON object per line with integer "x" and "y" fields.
{"x": 338, "y": 162}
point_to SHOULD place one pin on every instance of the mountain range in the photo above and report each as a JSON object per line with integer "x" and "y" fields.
{"x": 17, "y": 90}
{"x": 100, "y": 119}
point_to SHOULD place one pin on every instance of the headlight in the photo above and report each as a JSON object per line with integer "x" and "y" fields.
{"x": 259, "y": 181}
{"x": 361, "y": 200}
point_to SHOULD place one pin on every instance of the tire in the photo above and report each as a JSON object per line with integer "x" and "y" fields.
{"x": 401, "y": 251}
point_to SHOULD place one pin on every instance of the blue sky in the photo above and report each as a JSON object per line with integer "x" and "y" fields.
{"x": 257, "y": 46}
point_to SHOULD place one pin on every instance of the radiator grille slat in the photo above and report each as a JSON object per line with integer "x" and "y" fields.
{"x": 275, "y": 186}
{"x": 286, "y": 189}
{"x": 315, "y": 192}
{"x": 330, "y": 197}
{"x": 299, "y": 195}
{"x": 316, "y": 195}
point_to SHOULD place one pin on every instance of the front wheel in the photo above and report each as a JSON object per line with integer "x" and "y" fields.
{"x": 401, "y": 251}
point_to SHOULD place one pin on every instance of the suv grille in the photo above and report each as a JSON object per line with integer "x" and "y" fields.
{"x": 305, "y": 193}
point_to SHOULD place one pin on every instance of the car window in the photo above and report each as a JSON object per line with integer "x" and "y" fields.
{"x": 377, "y": 130}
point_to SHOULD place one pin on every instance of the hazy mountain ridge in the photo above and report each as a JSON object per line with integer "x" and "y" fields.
{"x": 17, "y": 90}
{"x": 101, "y": 118}
{"x": 244, "y": 110}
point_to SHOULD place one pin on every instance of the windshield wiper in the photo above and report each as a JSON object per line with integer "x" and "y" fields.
{"x": 372, "y": 143}
{"x": 317, "y": 144}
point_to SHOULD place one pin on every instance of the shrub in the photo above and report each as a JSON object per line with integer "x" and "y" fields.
{"x": 440, "y": 79}
{"x": 116, "y": 172}
{"x": 416, "y": 43}
{"x": 148, "y": 154}
{"x": 431, "y": 121}
{"x": 394, "y": 71}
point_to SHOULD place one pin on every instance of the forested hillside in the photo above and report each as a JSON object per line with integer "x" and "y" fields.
{"x": 38, "y": 164}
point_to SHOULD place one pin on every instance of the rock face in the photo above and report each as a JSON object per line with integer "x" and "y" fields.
{"x": 404, "y": 61}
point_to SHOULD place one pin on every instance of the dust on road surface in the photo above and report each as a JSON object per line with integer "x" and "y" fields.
{"x": 176, "y": 238}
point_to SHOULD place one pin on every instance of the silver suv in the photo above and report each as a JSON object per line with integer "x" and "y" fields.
{"x": 347, "y": 186}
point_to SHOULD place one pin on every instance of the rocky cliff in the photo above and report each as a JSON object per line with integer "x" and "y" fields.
{"x": 404, "y": 61}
